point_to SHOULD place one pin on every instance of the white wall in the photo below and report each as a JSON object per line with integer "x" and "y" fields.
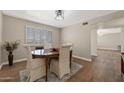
{"x": 0, "y": 34}
{"x": 14, "y": 29}
{"x": 109, "y": 40}
{"x": 94, "y": 42}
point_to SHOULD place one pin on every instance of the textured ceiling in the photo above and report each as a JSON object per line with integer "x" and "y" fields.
{"x": 48, "y": 16}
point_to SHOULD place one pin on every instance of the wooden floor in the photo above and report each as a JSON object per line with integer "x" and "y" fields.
{"x": 104, "y": 68}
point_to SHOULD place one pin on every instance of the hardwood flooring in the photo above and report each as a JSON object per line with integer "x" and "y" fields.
{"x": 104, "y": 68}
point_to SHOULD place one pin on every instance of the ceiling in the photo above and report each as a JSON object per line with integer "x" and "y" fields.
{"x": 48, "y": 16}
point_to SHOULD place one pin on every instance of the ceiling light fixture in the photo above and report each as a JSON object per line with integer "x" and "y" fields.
{"x": 59, "y": 15}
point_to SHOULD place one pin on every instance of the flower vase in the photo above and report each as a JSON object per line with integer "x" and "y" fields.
{"x": 10, "y": 58}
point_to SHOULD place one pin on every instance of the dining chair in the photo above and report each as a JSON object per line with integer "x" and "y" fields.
{"x": 35, "y": 68}
{"x": 62, "y": 66}
{"x": 71, "y": 51}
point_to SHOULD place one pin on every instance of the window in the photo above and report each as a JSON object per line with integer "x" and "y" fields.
{"x": 38, "y": 36}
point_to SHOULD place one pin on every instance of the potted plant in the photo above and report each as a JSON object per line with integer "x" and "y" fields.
{"x": 10, "y": 47}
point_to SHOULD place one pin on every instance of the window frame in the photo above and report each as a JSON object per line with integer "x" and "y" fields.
{"x": 40, "y": 28}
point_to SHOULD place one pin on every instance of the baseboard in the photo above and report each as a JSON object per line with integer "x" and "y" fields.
{"x": 108, "y": 49}
{"x": 15, "y": 61}
{"x": 89, "y": 60}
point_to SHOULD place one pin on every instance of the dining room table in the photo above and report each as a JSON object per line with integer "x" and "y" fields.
{"x": 47, "y": 54}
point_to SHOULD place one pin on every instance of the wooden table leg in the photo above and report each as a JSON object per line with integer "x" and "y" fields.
{"x": 46, "y": 69}
{"x": 70, "y": 58}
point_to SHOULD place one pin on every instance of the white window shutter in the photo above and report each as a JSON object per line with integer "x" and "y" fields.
{"x": 38, "y": 36}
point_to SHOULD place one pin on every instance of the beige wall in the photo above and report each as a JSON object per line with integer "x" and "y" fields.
{"x": 115, "y": 23}
{"x": 14, "y": 29}
{"x": 0, "y": 34}
{"x": 79, "y": 36}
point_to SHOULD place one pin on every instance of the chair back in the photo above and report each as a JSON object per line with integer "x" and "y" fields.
{"x": 35, "y": 68}
{"x": 29, "y": 57}
{"x": 71, "y": 50}
{"x": 64, "y": 58}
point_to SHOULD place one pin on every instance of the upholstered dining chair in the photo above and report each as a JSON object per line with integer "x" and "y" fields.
{"x": 35, "y": 68}
{"x": 71, "y": 51}
{"x": 62, "y": 66}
